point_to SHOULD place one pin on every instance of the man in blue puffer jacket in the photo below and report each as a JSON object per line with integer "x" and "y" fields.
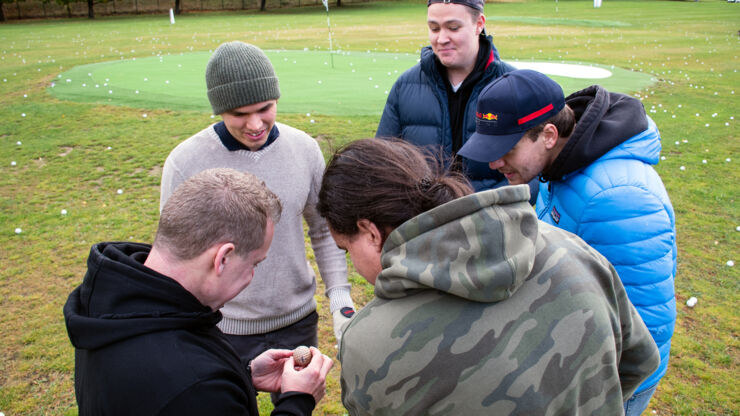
{"x": 433, "y": 103}
{"x": 594, "y": 157}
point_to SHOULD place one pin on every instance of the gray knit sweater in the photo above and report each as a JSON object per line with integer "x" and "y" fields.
{"x": 282, "y": 291}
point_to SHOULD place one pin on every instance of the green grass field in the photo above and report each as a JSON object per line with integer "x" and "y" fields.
{"x": 321, "y": 82}
{"x": 57, "y": 154}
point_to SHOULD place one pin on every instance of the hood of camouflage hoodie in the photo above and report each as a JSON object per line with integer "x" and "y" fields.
{"x": 480, "y": 247}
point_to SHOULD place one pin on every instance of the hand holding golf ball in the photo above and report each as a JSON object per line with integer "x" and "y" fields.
{"x": 307, "y": 378}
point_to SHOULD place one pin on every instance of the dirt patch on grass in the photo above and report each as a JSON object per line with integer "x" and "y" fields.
{"x": 155, "y": 171}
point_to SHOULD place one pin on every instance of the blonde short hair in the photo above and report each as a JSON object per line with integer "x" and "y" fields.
{"x": 216, "y": 206}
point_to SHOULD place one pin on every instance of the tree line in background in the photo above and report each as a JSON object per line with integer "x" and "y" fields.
{"x": 24, "y": 9}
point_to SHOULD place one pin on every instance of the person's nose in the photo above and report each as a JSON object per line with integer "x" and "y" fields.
{"x": 496, "y": 164}
{"x": 443, "y": 37}
{"x": 254, "y": 122}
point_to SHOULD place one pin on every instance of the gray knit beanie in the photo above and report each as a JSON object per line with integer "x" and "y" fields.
{"x": 239, "y": 74}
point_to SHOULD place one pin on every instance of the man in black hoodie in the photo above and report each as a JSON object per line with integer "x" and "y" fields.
{"x": 143, "y": 321}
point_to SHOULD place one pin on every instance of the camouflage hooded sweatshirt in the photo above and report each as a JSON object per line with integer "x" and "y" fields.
{"x": 481, "y": 309}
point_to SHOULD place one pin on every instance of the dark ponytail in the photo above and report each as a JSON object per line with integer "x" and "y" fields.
{"x": 385, "y": 181}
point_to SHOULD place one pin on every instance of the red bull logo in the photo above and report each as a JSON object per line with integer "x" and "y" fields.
{"x": 487, "y": 116}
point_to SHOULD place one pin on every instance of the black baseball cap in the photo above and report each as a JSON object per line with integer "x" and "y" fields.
{"x": 507, "y": 108}
{"x": 475, "y": 4}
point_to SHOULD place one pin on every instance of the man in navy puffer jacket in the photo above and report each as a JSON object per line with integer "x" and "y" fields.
{"x": 433, "y": 103}
{"x": 594, "y": 152}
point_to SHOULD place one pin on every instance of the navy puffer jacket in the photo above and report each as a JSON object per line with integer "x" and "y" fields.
{"x": 417, "y": 111}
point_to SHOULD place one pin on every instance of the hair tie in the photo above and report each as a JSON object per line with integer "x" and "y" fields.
{"x": 425, "y": 184}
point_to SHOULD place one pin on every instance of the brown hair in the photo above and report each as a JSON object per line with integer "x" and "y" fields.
{"x": 216, "y": 206}
{"x": 385, "y": 181}
{"x": 564, "y": 121}
{"x": 474, "y": 13}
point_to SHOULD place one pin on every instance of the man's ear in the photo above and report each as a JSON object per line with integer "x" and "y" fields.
{"x": 550, "y": 136}
{"x": 480, "y": 24}
{"x": 222, "y": 256}
{"x": 369, "y": 230}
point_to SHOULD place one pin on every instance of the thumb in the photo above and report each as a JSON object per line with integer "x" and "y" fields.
{"x": 289, "y": 365}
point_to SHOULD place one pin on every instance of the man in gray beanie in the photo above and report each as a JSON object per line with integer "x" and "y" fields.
{"x": 278, "y": 309}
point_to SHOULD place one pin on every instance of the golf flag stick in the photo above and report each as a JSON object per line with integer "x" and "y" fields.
{"x": 328, "y": 24}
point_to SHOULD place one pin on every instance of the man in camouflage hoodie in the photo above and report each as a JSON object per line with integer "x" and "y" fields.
{"x": 482, "y": 309}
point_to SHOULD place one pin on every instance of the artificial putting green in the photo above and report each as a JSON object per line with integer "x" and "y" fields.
{"x": 340, "y": 83}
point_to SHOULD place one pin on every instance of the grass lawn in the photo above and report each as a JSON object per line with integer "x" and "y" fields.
{"x": 311, "y": 81}
{"x": 57, "y": 154}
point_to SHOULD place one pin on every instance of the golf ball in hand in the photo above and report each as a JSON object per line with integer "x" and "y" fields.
{"x": 302, "y": 356}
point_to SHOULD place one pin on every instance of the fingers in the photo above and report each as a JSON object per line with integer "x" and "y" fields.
{"x": 269, "y": 360}
{"x": 277, "y": 354}
{"x": 289, "y": 364}
{"x": 324, "y": 362}
{"x": 310, "y": 379}
{"x": 318, "y": 358}
{"x": 273, "y": 355}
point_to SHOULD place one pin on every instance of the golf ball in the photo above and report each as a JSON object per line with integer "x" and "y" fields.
{"x": 120, "y": 191}
{"x": 302, "y": 355}
{"x": 18, "y": 231}
{"x": 730, "y": 263}
{"x": 691, "y": 302}
{"x": 64, "y": 212}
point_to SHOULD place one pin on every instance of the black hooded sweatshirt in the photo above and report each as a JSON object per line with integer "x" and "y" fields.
{"x": 603, "y": 121}
{"x": 146, "y": 346}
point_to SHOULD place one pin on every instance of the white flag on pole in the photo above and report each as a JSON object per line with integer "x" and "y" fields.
{"x": 326, "y": 4}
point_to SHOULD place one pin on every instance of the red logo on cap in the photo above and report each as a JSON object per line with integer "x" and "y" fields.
{"x": 536, "y": 114}
{"x": 487, "y": 116}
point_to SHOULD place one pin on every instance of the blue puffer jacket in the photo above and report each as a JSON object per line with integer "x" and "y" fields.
{"x": 417, "y": 111}
{"x": 619, "y": 206}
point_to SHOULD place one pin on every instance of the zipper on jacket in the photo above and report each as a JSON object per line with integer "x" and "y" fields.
{"x": 548, "y": 203}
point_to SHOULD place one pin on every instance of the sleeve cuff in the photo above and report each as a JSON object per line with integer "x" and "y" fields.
{"x": 339, "y": 297}
{"x": 295, "y": 403}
